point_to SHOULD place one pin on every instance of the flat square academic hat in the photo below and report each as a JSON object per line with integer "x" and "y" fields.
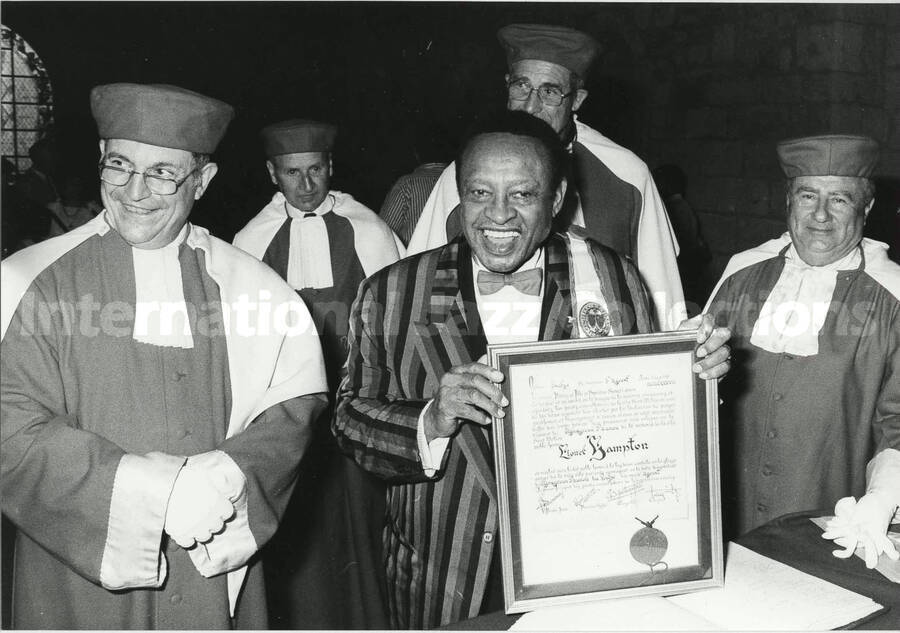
{"x": 162, "y": 115}
{"x": 829, "y": 155}
{"x": 297, "y": 136}
{"x": 556, "y": 44}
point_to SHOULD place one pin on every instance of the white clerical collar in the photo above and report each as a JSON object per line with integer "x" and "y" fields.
{"x": 324, "y": 207}
{"x": 161, "y": 316}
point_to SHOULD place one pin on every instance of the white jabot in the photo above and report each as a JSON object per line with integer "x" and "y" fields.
{"x": 309, "y": 254}
{"x": 794, "y": 312}
{"x": 508, "y": 315}
{"x": 160, "y": 313}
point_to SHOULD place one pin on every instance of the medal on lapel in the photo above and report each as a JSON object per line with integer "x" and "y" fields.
{"x": 593, "y": 320}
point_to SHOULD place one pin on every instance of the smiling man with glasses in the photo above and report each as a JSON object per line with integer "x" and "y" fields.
{"x": 612, "y": 196}
{"x": 815, "y": 422}
{"x": 153, "y": 415}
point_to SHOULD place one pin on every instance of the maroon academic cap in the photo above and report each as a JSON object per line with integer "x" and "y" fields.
{"x": 297, "y": 136}
{"x": 831, "y": 155}
{"x": 556, "y": 44}
{"x": 162, "y": 115}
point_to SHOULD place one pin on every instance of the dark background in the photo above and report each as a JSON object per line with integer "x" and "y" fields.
{"x": 401, "y": 80}
{"x": 708, "y": 86}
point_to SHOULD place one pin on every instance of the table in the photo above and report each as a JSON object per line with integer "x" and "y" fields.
{"x": 793, "y": 540}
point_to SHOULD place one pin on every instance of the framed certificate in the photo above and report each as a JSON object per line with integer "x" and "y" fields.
{"x": 607, "y": 468}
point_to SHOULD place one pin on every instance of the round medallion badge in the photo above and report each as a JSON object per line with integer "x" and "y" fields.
{"x": 593, "y": 320}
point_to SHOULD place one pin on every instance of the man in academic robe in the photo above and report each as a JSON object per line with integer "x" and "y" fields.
{"x": 158, "y": 387}
{"x": 417, "y": 401}
{"x": 324, "y": 565}
{"x": 611, "y": 193}
{"x": 813, "y": 412}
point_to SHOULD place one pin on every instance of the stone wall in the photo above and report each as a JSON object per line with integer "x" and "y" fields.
{"x": 713, "y": 87}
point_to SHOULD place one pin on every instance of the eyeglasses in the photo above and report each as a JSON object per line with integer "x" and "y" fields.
{"x": 521, "y": 89}
{"x": 159, "y": 185}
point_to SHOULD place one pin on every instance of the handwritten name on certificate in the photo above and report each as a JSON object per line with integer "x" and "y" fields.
{"x": 608, "y": 448}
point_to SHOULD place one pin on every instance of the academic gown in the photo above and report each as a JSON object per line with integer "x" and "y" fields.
{"x": 78, "y": 393}
{"x": 798, "y": 431}
{"x": 324, "y": 566}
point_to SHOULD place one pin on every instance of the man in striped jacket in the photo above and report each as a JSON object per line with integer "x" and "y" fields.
{"x": 417, "y": 402}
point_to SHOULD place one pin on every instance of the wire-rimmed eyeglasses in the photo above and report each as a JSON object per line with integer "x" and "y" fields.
{"x": 550, "y": 95}
{"x": 160, "y": 185}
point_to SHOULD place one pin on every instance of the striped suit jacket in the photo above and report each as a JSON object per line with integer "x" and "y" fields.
{"x": 411, "y": 322}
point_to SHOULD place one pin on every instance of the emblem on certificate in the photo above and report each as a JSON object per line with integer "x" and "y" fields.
{"x": 649, "y": 545}
{"x": 593, "y": 320}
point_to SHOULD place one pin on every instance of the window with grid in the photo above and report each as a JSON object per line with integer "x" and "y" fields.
{"x": 26, "y": 98}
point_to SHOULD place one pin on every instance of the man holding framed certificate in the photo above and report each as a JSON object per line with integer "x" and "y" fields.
{"x": 416, "y": 404}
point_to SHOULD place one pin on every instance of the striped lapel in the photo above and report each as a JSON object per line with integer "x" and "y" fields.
{"x": 441, "y": 332}
{"x": 556, "y": 310}
{"x": 453, "y": 298}
{"x": 473, "y": 439}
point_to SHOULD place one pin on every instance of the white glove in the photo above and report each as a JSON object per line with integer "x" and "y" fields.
{"x": 222, "y": 472}
{"x": 197, "y": 507}
{"x": 862, "y": 523}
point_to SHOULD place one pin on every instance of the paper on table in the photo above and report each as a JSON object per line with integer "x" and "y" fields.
{"x": 761, "y": 594}
{"x": 651, "y": 613}
{"x": 888, "y": 568}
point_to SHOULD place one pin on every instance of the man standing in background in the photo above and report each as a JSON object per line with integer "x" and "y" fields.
{"x": 324, "y": 565}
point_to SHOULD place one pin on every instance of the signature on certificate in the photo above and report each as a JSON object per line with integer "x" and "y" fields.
{"x": 547, "y": 497}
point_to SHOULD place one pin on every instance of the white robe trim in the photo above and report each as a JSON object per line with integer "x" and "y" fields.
{"x": 883, "y": 477}
{"x": 878, "y": 266}
{"x": 585, "y": 285}
{"x": 656, "y": 249}
{"x": 266, "y": 364}
{"x": 374, "y": 242}
{"x": 131, "y": 555}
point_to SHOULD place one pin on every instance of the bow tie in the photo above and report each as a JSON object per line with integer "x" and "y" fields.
{"x": 526, "y": 281}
